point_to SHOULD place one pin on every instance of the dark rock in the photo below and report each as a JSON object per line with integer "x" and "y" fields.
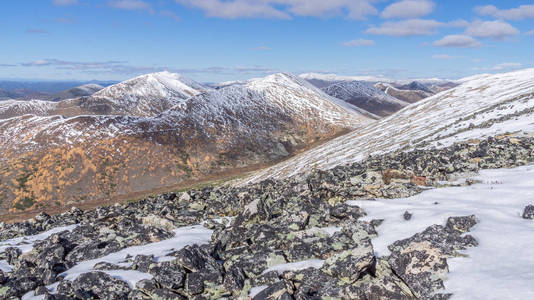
{"x": 194, "y": 283}
{"x": 146, "y": 285}
{"x": 461, "y": 224}
{"x": 11, "y": 255}
{"x": 168, "y": 274}
{"x": 142, "y": 262}
{"x": 100, "y": 285}
{"x": 194, "y": 258}
{"x": 350, "y": 264}
{"x": 528, "y": 212}
{"x": 407, "y": 216}
{"x": 234, "y": 280}
{"x": 65, "y": 288}
{"x": 138, "y": 295}
{"x": 41, "y": 290}
{"x": 165, "y": 294}
{"x": 276, "y": 291}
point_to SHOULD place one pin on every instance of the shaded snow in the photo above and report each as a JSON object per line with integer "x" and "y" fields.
{"x": 256, "y": 290}
{"x": 25, "y": 243}
{"x": 502, "y": 266}
{"x": 295, "y": 266}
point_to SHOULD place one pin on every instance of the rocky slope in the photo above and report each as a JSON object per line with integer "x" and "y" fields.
{"x": 365, "y": 96}
{"x": 59, "y": 160}
{"x": 481, "y": 107}
{"x": 296, "y": 238}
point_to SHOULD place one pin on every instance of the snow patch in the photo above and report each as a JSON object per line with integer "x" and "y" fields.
{"x": 502, "y": 266}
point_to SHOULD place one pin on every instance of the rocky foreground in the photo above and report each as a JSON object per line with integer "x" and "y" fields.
{"x": 290, "y": 239}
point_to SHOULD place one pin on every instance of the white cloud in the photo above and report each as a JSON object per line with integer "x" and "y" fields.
{"x": 64, "y": 2}
{"x": 457, "y": 40}
{"x": 407, "y": 28}
{"x": 131, "y": 5}
{"x": 282, "y": 9}
{"x": 358, "y": 43}
{"x": 122, "y": 67}
{"x": 491, "y": 29}
{"x": 530, "y": 32}
{"x": 444, "y": 56}
{"x": 507, "y": 66}
{"x": 519, "y": 13}
{"x": 408, "y": 9}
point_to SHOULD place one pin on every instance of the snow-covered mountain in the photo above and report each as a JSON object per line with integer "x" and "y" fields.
{"x": 391, "y": 96}
{"x": 365, "y": 96}
{"x": 406, "y": 95}
{"x": 79, "y": 91}
{"x": 133, "y": 148}
{"x": 146, "y": 95}
{"x": 13, "y": 108}
{"x": 372, "y": 79}
{"x": 482, "y": 107}
{"x": 415, "y": 85}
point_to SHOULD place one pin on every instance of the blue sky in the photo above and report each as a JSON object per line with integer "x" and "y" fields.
{"x": 217, "y": 40}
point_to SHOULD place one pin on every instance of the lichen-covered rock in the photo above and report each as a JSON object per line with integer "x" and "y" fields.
{"x": 165, "y": 294}
{"x": 168, "y": 274}
{"x": 350, "y": 264}
{"x": 100, "y": 286}
{"x": 461, "y": 224}
{"x": 276, "y": 291}
{"x": 421, "y": 260}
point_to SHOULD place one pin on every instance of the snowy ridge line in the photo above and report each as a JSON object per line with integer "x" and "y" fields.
{"x": 493, "y": 102}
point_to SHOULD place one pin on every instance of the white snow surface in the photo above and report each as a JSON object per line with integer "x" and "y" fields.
{"x": 438, "y": 121}
{"x": 149, "y": 94}
{"x": 502, "y": 266}
{"x": 183, "y": 236}
{"x": 348, "y": 90}
{"x": 25, "y": 243}
{"x": 296, "y": 266}
{"x": 11, "y": 108}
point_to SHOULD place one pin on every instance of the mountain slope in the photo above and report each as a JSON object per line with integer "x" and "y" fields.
{"x": 213, "y": 134}
{"x": 406, "y": 95}
{"x": 378, "y": 95}
{"x": 14, "y": 108}
{"x": 482, "y": 107}
{"x": 75, "y": 92}
{"x": 365, "y": 96}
